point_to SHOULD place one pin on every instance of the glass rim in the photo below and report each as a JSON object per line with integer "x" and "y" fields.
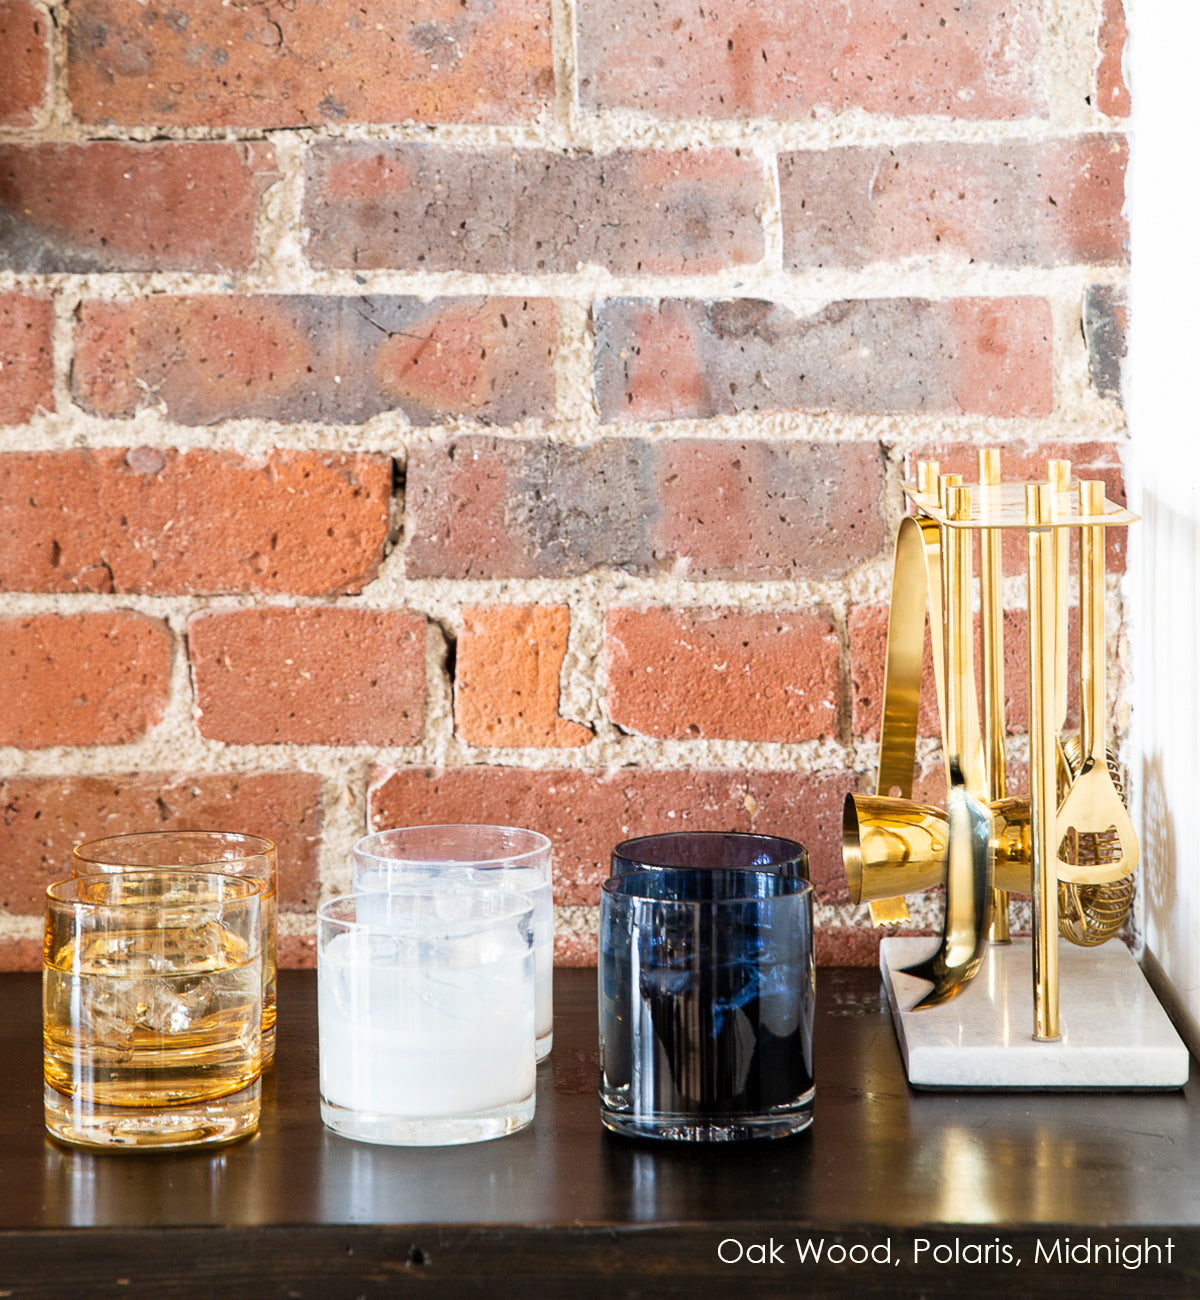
{"x": 232, "y": 890}
{"x": 634, "y": 849}
{"x": 540, "y": 845}
{"x": 510, "y": 906}
{"x": 90, "y": 851}
{"x": 780, "y": 887}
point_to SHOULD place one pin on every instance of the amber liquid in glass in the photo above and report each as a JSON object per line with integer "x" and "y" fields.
{"x": 152, "y": 1036}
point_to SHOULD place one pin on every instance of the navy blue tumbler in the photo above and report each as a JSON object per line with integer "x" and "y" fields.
{"x": 706, "y": 990}
{"x": 712, "y": 850}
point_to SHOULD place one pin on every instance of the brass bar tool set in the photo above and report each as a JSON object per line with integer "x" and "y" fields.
{"x": 1068, "y": 842}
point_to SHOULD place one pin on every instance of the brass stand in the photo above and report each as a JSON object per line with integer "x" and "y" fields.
{"x": 1069, "y": 843}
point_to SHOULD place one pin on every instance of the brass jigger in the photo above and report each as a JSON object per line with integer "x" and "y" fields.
{"x": 892, "y": 846}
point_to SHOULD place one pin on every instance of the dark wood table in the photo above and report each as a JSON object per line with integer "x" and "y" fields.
{"x": 946, "y": 1191}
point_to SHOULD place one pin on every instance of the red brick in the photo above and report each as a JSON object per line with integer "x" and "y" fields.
{"x": 22, "y": 955}
{"x": 1112, "y": 94}
{"x": 587, "y": 812}
{"x": 722, "y": 674}
{"x": 46, "y": 816}
{"x": 688, "y": 359}
{"x": 868, "y": 645}
{"x": 506, "y": 677}
{"x": 483, "y": 507}
{"x": 330, "y": 360}
{"x": 298, "y": 951}
{"x": 321, "y": 676}
{"x": 115, "y": 206}
{"x": 768, "y": 509}
{"x": 25, "y": 58}
{"x": 441, "y": 208}
{"x": 1003, "y": 356}
{"x": 742, "y": 58}
{"x": 1013, "y": 204}
{"x": 82, "y": 679}
{"x": 143, "y": 520}
{"x": 26, "y": 357}
{"x": 194, "y": 63}
{"x": 1026, "y": 462}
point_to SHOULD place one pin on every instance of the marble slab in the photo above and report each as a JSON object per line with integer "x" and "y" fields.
{"x": 1114, "y": 1032}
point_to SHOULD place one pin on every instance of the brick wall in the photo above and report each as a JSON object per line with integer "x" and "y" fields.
{"x": 498, "y": 412}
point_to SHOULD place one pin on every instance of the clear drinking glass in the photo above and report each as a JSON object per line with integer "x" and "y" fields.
{"x": 425, "y": 1007}
{"x": 721, "y": 850}
{"x": 227, "y": 852}
{"x": 152, "y": 1009}
{"x": 706, "y": 988}
{"x": 497, "y": 857}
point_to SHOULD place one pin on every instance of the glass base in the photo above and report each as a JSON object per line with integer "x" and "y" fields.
{"x": 710, "y": 1128}
{"x": 427, "y": 1131}
{"x": 543, "y": 1046}
{"x": 214, "y": 1122}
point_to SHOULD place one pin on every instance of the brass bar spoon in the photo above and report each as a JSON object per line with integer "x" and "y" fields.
{"x": 1093, "y": 804}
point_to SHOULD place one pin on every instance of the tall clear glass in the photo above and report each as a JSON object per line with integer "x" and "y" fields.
{"x": 425, "y": 1007}
{"x": 227, "y": 852}
{"x": 496, "y": 857}
{"x": 152, "y": 1009}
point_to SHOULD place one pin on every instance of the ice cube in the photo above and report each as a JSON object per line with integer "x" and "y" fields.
{"x": 169, "y": 1010}
{"x": 109, "y": 1010}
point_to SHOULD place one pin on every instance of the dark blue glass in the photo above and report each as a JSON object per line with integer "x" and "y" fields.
{"x": 706, "y": 988}
{"x": 712, "y": 851}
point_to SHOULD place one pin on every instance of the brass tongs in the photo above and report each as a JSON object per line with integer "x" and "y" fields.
{"x": 1093, "y": 804}
{"x": 971, "y": 850}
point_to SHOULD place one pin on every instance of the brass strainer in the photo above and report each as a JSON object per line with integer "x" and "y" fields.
{"x": 1089, "y": 915}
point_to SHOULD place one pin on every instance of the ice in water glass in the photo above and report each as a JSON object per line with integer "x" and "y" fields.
{"x": 498, "y": 857}
{"x": 227, "y": 852}
{"x": 706, "y": 990}
{"x": 152, "y": 1009}
{"x": 425, "y": 1007}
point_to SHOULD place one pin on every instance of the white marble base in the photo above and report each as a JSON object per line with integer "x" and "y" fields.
{"x": 1114, "y": 1032}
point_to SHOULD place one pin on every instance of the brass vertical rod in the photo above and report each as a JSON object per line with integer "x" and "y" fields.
{"x": 941, "y": 635}
{"x": 1058, "y": 474}
{"x": 960, "y": 658}
{"x": 1043, "y": 796}
{"x": 991, "y": 577}
{"x": 1091, "y": 620}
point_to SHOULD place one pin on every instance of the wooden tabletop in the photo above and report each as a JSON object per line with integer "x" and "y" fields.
{"x": 942, "y": 1193}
